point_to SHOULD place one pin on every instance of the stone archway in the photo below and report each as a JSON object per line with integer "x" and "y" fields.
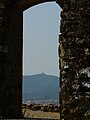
{"x": 11, "y": 42}
{"x": 74, "y": 53}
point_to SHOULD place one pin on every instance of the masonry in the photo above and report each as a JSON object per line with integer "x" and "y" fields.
{"x": 74, "y": 53}
{"x": 74, "y": 57}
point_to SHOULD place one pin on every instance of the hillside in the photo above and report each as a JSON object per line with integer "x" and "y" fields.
{"x": 40, "y": 87}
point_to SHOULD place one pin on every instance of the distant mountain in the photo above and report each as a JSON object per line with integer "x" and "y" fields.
{"x": 40, "y": 87}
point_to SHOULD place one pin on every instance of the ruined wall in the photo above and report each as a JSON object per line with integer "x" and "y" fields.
{"x": 10, "y": 60}
{"x": 74, "y": 53}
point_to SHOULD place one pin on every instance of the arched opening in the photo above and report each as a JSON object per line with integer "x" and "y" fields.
{"x": 41, "y": 27}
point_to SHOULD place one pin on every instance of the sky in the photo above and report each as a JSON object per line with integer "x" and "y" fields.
{"x": 40, "y": 39}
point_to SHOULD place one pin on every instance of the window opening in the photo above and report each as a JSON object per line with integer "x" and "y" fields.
{"x": 40, "y": 56}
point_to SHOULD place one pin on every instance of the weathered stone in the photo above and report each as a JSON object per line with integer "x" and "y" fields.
{"x": 75, "y": 31}
{"x": 36, "y": 107}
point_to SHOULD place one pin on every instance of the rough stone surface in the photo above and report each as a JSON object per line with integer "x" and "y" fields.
{"x": 74, "y": 53}
{"x": 10, "y": 60}
{"x": 42, "y": 107}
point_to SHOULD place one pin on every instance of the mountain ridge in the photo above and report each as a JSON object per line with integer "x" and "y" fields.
{"x": 40, "y": 75}
{"x": 40, "y": 87}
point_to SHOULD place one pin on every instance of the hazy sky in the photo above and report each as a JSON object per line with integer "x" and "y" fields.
{"x": 41, "y": 30}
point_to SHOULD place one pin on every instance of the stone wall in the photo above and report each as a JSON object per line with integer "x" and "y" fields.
{"x": 10, "y": 60}
{"x": 74, "y": 53}
{"x": 42, "y": 107}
